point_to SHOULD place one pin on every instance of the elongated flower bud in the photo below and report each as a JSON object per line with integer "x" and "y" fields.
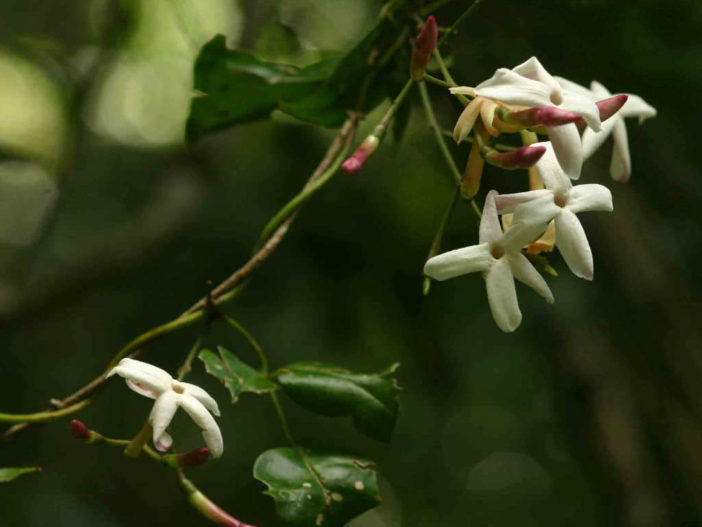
{"x": 194, "y": 458}
{"x": 82, "y": 432}
{"x": 545, "y": 116}
{"x": 355, "y": 163}
{"x": 525, "y": 157}
{"x": 608, "y": 107}
{"x": 424, "y": 47}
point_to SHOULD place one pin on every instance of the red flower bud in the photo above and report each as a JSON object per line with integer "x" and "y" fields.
{"x": 608, "y": 107}
{"x": 525, "y": 157}
{"x": 425, "y": 44}
{"x": 354, "y": 163}
{"x": 79, "y": 430}
{"x": 545, "y": 116}
{"x": 194, "y": 458}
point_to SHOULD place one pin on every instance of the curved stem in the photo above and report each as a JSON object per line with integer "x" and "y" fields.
{"x": 459, "y": 21}
{"x": 283, "y": 420}
{"x": 438, "y": 237}
{"x": 252, "y": 342}
{"x": 41, "y": 417}
{"x": 188, "y": 363}
{"x": 431, "y": 117}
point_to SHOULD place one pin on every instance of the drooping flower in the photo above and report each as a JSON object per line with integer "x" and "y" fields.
{"x": 498, "y": 256}
{"x": 155, "y": 383}
{"x": 560, "y": 201}
{"x": 635, "y": 106}
{"x": 531, "y": 86}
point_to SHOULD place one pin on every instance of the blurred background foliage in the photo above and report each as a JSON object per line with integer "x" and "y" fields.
{"x": 590, "y": 414}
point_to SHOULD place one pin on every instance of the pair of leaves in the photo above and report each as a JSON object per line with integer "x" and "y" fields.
{"x": 314, "y": 489}
{"x": 10, "y": 473}
{"x": 234, "y": 86}
{"x": 236, "y": 376}
{"x": 371, "y": 399}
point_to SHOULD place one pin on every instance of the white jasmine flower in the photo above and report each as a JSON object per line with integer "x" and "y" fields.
{"x": 559, "y": 201}
{"x": 155, "y": 383}
{"x": 498, "y": 256}
{"x": 530, "y": 85}
{"x": 635, "y": 106}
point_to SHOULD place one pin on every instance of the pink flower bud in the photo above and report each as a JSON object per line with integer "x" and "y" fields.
{"x": 608, "y": 107}
{"x": 194, "y": 458}
{"x": 354, "y": 163}
{"x": 424, "y": 47}
{"x": 525, "y": 157}
{"x": 545, "y": 116}
{"x": 79, "y": 430}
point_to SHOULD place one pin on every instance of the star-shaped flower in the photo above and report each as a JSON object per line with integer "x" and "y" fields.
{"x": 635, "y": 106}
{"x": 530, "y": 85}
{"x": 498, "y": 256}
{"x": 155, "y": 383}
{"x": 559, "y": 201}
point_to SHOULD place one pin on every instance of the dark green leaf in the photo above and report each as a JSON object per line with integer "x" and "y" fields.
{"x": 234, "y": 374}
{"x": 333, "y": 391}
{"x": 316, "y": 490}
{"x": 8, "y": 474}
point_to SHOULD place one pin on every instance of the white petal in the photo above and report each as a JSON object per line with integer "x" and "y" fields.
{"x": 164, "y": 443}
{"x": 635, "y": 106}
{"x": 502, "y": 296}
{"x": 539, "y": 211}
{"x": 593, "y": 140}
{"x": 599, "y": 91}
{"x": 510, "y": 87}
{"x": 585, "y": 106}
{"x": 202, "y": 396}
{"x": 568, "y": 148}
{"x": 550, "y": 170}
{"x": 590, "y": 197}
{"x": 521, "y": 233}
{"x": 202, "y": 418}
{"x": 574, "y": 87}
{"x": 459, "y": 262}
{"x": 533, "y": 69}
{"x": 573, "y": 245}
{"x": 506, "y": 203}
{"x": 490, "y": 229}
{"x": 141, "y": 377}
{"x": 620, "y": 167}
{"x": 162, "y": 413}
{"x": 528, "y": 275}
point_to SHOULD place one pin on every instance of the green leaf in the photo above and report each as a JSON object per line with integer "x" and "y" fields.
{"x": 371, "y": 399}
{"x": 10, "y": 473}
{"x": 317, "y": 490}
{"x": 236, "y": 376}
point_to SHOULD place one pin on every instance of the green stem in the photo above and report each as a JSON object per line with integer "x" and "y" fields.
{"x": 496, "y": 146}
{"x": 41, "y": 417}
{"x": 438, "y": 237}
{"x": 428, "y": 10}
{"x": 382, "y": 127}
{"x": 283, "y": 420}
{"x": 431, "y": 117}
{"x": 459, "y": 21}
{"x": 433, "y": 80}
{"x": 188, "y": 363}
{"x": 136, "y": 445}
{"x": 252, "y": 342}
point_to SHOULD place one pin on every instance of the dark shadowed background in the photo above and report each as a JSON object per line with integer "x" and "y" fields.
{"x": 590, "y": 414}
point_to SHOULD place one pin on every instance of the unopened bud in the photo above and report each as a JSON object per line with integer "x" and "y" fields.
{"x": 608, "y": 107}
{"x": 425, "y": 44}
{"x": 82, "y": 432}
{"x": 544, "y": 116}
{"x": 194, "y": 458}
{"x": 525, "y": 157}
{"x": 355, "y": 163}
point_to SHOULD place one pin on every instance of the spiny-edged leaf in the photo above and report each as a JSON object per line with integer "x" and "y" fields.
{"x": 312, "y": 489}
{"x": 371, "y": 398}
{"x": 237, "y": 376}
{"x": 10, "y": 473}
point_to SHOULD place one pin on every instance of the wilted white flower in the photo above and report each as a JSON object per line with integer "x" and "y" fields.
{"x": 498, "y": 256}
{"x": 559, "y": 201}
{"x": 155, "y": 383}
{"x": 635, "y": 106}
{"x": 530, "y": 85}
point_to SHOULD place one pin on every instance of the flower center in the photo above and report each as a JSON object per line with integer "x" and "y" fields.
{"x": 556, "y": 97}
{"x": 497, "y": 252}
{"x": 177, "y": 387}
{"x": 561, "y": 200}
